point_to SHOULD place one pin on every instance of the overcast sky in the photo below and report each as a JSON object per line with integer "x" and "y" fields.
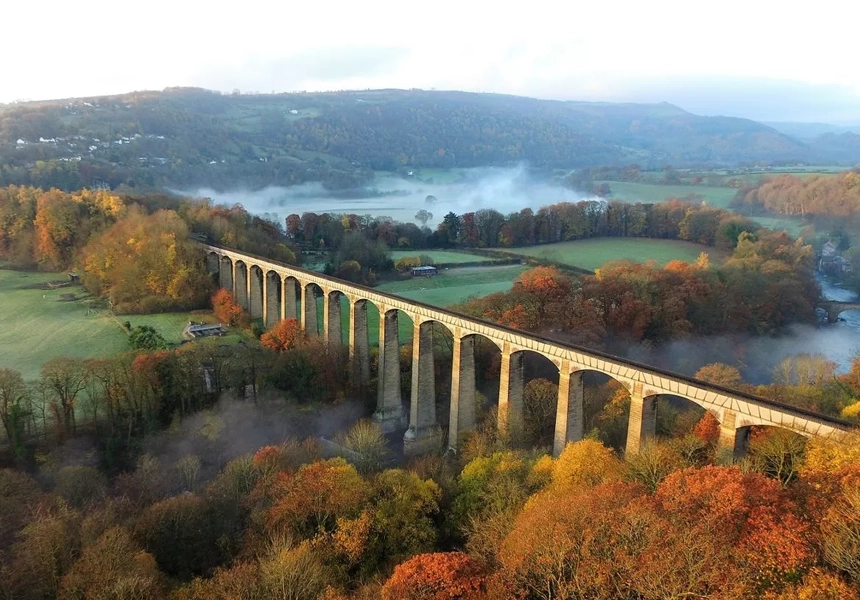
{"x": 761, "y": 59}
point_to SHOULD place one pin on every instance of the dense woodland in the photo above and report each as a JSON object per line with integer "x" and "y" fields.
{"x": 134, "y": 251}
{"x": 166, "y": 493}
{"x": 192, "y": 137}
{"x": 561, "y": 222}
{"x": 137, "y": 477}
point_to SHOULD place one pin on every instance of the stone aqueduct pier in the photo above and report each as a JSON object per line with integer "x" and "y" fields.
{"x": 271, "y": 290}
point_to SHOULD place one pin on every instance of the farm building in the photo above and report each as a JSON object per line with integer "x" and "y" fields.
{"x": 197, "y": 330}
{"x": 425, "y": 271}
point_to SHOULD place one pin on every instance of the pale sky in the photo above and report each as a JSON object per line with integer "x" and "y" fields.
{"x": 757, "y": 58}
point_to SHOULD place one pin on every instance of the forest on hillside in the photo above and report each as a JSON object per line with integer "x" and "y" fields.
{"x": 163, "y": 488}
{"x": 192, "y": 137}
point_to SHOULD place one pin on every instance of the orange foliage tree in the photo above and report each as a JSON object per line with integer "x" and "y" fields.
{"x": 708, "y": 428}
{"x": 285, "y": 335}
{"x": 226, "y": 308}
{"x": 313, "y": 498}
{"x": 437, "y": 576}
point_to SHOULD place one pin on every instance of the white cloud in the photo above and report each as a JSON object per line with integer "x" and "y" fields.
{"x": 544, "y": 47}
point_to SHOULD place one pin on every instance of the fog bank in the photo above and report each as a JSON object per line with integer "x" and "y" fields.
{"x": 503, "y": 189}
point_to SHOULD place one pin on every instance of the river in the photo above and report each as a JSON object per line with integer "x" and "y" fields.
{"x": 840, "y": 342}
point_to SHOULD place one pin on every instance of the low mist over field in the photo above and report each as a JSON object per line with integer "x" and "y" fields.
{"x": 505, "y": 190}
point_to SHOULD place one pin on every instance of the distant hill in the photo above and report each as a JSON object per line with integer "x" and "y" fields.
{"x": 809, "y": 131}
{"x": 188, "y": 137}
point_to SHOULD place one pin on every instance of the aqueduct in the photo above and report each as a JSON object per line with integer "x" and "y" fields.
{"x": 272, "y": 291}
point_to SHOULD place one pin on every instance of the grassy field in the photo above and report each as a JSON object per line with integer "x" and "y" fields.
{"x": 792, "y": 226}
{"x": 591, "y": 254}
{"x": 455, "y": 285}
{"x": 647, "y": 192}
{"x": 37, "y": 324}
{"x": 441, "y": 257}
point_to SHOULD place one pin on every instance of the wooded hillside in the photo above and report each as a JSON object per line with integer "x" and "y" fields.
{"x": 188, "y": 137}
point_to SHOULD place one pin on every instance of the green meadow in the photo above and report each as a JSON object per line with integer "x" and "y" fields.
{"x": 38, "y": 324}
{"x": 591, "y": 254}
{"x": 650, "y": 192}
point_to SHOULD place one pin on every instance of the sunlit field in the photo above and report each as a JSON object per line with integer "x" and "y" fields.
{"x": 591, "y": 254}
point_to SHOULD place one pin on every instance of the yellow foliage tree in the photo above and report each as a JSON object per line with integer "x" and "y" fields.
{"x": 585, "y": 464}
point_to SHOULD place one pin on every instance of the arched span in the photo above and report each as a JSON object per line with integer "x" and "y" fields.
{"x": 335, "y": 317}
{"x": 255, "y": 289}
{"x": 272, "y": 298}
{"x": 292, "y": 297}
{"x": 310, "y": 311}
{"x": 642, "y": 380}
{"x": 225, "y": 274}
{"x": 474, "y": 366}
{"x": 240, "y": 285}
{"x": 213, "y": 265}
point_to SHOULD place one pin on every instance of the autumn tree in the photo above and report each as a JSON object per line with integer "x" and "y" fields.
{"x": 66, "y": 378}
{"x": 179, "y": 533}
{"x": 80, "y": 485}
{"x": 439, "y": 576}
{"x": 708, "y": 429}
{"x": 314, "y": 497}
{"x": 368, "y": 445}
{"x": 720, "y": 374}
{"x": 147, "y": 263}
{"x": 226, "y": 309}
{"x": 284, "y": 335}
{"x": 585, "y": 464}
{"x": 113, "y": 568}
{"x": 540, "y": 397}
{"x": 13, "y": 409}
{"x": 19, "y": 494}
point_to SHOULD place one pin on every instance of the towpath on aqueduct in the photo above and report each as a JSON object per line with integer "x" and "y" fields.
{"x": 271, "y": 290}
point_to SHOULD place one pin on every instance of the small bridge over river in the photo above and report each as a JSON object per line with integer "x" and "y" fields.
{"x": 834, "y": 308}
{"x": 271, "y": 291}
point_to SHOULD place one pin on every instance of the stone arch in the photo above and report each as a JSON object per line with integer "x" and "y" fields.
{"x": 291, "y": 294}
{"x": 359, "y": 341}
{"x": 273, "y": 295}
{"x": 225, "y": 274}
{"x": 517, "y": 365}
{"x": 389, "y": 402}
{"x": 775, "y": 450}
{"x": 213, "y": 265}
{"x": 469, "y": 351}
{"x": 592, "y": 390}
{"x": 670, "y": 407}
{"x": 430, "y": 385}
{"x": 255, "y": 290}
{"x": 240, "y": 285}
{"x": 311, "y": 322}
{"x": 335, "y": 323}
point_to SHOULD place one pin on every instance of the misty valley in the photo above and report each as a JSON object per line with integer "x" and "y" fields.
{"x": 425, "y": 345}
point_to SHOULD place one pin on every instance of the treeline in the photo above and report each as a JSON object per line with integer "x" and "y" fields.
{"x": 767, "y": 283}
{"x": 833, "y": 198}
{"x": 349, "y": 235}
{"x": 138, "y": 252}
{"x": 116, "y": 402}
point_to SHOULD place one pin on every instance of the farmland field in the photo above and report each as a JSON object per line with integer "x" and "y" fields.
{"x": 718, "y": 197}
{"x": 441, "y": 257}
{"x": 455, "y": 285}
{"x": 591, "y": 254}
{"x": 37, "y": 325}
